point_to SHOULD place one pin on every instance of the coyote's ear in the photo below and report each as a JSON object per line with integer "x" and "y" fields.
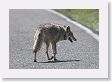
{"x": 68, "y": 28}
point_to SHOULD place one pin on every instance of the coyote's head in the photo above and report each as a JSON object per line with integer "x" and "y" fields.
{"x": 69, "y": 35}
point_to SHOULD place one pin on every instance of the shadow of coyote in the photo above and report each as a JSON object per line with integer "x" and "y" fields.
{"x": 51, "y": 33}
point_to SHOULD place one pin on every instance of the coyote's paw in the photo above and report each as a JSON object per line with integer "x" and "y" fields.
{"x": 35, "y": 61}
{"x": 56, "y": 60}
{"x": 52, "y": 57}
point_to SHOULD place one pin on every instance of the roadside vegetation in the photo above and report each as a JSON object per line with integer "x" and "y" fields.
{"x": 87, "y": 17}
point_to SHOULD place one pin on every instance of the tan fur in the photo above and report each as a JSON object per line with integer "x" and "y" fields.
{"x": 50, "y": 33}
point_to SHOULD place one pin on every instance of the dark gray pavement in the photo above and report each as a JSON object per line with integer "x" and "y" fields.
{"x": 22, "y": 27}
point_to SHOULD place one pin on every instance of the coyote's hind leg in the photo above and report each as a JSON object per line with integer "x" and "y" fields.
{"x": 34, "y": 56}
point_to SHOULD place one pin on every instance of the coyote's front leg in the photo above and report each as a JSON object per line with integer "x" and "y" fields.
{"x": 54, "y": 51}
{"x": 47, "y": 46}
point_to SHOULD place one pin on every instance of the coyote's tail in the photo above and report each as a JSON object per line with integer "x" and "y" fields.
{"x": 38, "y": 39}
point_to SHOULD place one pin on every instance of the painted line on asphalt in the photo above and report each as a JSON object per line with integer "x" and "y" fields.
{"x": 77, "y": 24}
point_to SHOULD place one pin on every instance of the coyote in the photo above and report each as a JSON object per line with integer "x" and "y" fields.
{"x": 51, "y": 33}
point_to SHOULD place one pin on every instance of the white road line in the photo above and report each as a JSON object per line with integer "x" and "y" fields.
{"x": 77, "y": 24}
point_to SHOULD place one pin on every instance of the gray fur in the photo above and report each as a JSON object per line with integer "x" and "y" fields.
{"x": 50, "y": 33}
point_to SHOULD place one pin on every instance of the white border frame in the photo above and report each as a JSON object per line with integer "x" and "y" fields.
{"x": 102, "y": 72}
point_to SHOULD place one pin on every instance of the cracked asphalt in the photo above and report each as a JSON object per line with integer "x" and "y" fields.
{"x": 82, "y": 54}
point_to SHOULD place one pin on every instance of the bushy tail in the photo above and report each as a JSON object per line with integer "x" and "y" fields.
{"x": 38, "y": 39}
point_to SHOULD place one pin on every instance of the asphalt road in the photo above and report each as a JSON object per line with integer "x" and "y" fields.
{"x": 82, "y": 54}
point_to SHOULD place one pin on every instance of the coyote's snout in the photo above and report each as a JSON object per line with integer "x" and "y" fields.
{"x": 51, "y": 33}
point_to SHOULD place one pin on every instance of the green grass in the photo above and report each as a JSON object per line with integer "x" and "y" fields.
{"x": 87, "y": 17}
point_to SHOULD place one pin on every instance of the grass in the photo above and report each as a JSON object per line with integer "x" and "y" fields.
{"x": 87, "y": 17}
